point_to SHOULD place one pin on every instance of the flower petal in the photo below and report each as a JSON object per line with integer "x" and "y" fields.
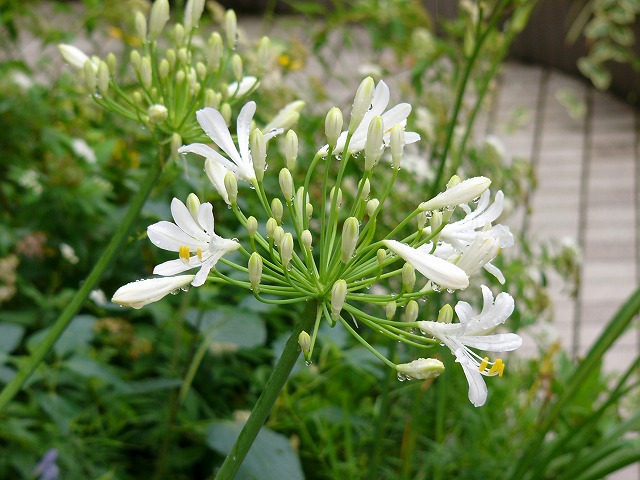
{"x": 205, "y": 218}
{"x": 209, "y": 153}
{"x": 183, "y": 218}
{"x": 169, "y": 236}
{"x": 216, "y": 173}
{"x": 216, "y": 128}
{"x": 172, "y": 267}
{"x": 500, "y": 342}
{"x": 477, "y": 387}
{"x": 202, "y": 274}
{"x": 244, "y": 129}
{"x": 140, "y": 293}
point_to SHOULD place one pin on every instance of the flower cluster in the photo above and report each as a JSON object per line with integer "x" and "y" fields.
{"x": 280, "y": 265}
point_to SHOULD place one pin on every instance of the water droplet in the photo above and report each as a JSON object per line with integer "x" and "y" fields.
{"x": 289, "y": 267}
{"x": 401, "y": 377}
{"x": 185, "y": 288}
{"x": 435, "y": 287}
{"x": 339, "y": 158}
{"x": 450, "y": 290}
{"x": 308, "y": 363}
{"x": 252, "y": 186}
{"x": 175, "y": 292}
{"x": 476, "y": 200}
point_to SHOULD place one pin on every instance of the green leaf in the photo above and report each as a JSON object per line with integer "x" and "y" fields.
{"x": 10, "y": 336}
{"x": 76, "y": 337}
{"x": 270, "y": 457}
{"x": 229, "y": 328}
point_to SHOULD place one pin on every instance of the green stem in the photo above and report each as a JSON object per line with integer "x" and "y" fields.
{"x": 268, "y": 397}
{"x": 67, "y": 315}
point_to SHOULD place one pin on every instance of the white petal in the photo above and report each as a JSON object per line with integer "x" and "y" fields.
{"x": 169, "y": 236}
{"x": 205, "y": 218}
{"x": 207, "y": 152}
{"x": 74, "y": 56}
{"x": 185, "y": 221}
{"x": 246, "y": 84}
{"x": 216, "y": 173}
{"x": 500, "y": 342}
{"x": 463, "y": 192}
{"x": 140, "y": 293}
{"x": 172, "y": 267}
{"x": 216, "y": 128}
{"x": 411, "y": 137}
{"x": 477, "y": 387}
{"x": 397, "y": 114}
{"x": 495, "y": 271}
{"x": 379, "y": 101}
{"x": 202, "y": 275}
{"x": 244, "y": 129}
{"x": 464, "y": 312}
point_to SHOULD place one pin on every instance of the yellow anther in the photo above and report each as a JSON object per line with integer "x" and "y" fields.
{"x": 184, "y": 253}
{"x": 483, "y": 365}
{"x": 497, "y": 367}
{"x": 199, "y": 253}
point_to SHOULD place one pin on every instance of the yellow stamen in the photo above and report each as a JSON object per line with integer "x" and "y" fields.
{"x": 199, "y": 252}
{"x": 184, "y": 253}
{"x": 483, "y": 365}
{"x": 497, "y": 367}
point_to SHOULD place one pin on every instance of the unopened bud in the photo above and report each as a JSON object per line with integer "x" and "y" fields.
{"x": 158, "y": 18}
{"x": 291, "y": 149}
{"x": 277, "y": 209}
{"x": 178, "y": 34}
{"x": 193, "y": 205}
{"x": 421, "y": 369}
{"x": 157, "y": 113}
{"x": 333, "y": 126}
{"x": 271, "y": 226}
{"x": 408, "y": 277}
{"x": 421, "y": 219}
{"x": 171, "y": 57}
{"x": 135, "y": 59}
{"x": 286, "y": 248}
{"x": 338, "y": 295}
{"x": 137, "y": 97}
{"x": 258, "y": 153}
{"x": 457, "y": 193}
{"x": 90, "y": 78}
{"x": 183, "y": 56}
{"x": 255, "y": 271}
{"x": 180, "y": 77}
{"x": 338, "y": 198}
{"x": 307, "y": 239}
{"x": 112, "y": 63}
{"x": 211, "y": 98}
{"x": 264, "y": 54}
{"x": 366, "y": 188}
{"x": 192, "y": 13}
{"x": 411, "y": 311}
{"x": 103, "y": 77}
{"x": 286, "y": 184}
{"x": 278, "y": 234}
{"x": 372, "y": 206}
{"x": 163, "y": 69}
{"x": 304, "y": 340}
{"x": 397, "y": 144}
{"x": 252, "y": 226}
{"x": 236, "y": 66}
{"x": 381, "y": 256}
{"x": 309, "y": 210}
{"x": 374, "y": 147}
{"x": 445, "y": 315}
{"x": 230, "y": 28}
{"x": 176, "y": 143}
{"x": 225, "y": 111}
{"x": 231, "y": 186}
{"x": 435, "y": 222}
{"x": 287, "y": 117}
{"x": 146, "y": 73}
{"x": 350, "y": 231}
{"x": 141, "y": 26}
{"x": 214, "y": 52}
{"x": 361, "y": 103}
{"x": 390, "y": 309}
{"x": 73, "y": 55}
{"x": 201, "y": 70}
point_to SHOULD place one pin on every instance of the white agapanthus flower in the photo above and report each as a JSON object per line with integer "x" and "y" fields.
{"x": 239, "y": 162}
{"x": 474, "y": 331}
{"x": 438, "y": 270}
{"x": 473, "y": 242}
{"x": 391, "y": 117}
{"x": 458, "y": 194}
{"x": 142, "y": 292}
{"x": 193, "y": 237}
{"x": 236, "y": 89}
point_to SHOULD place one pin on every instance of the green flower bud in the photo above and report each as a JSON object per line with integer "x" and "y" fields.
{"x": 255, "y": 271}
{"x": 408, "y": 277}
{"x": 225, "y": 111}
{"x": 277, "y": 235}
{"x": 192, "y": 13}
{"x": 193, "y": 205}
{"x": 374, "y": 147}
{"x": 231, "y": 186}
{"x": 307, "y": 239}
{"x": 214, "y": 52}
{"x": 183, "y": 56}
{"x": 141, "y": 26}
{"x": 338, "y": 198}
{"x": 291, "y": 149}
{"x": 361, "y": 103}
{"x": 272, "y": 224}
{"x": 176, "y": 143}
{"x": 381, "y": 256}
{"x": 366, "y": 188}
{"x": 90, "y": 79}
{"x": 146, "y": 73}
{"x": 201, "y": 70}
{"x": 112, "y": 63}
{"x": 178, "y": 34}
{"x": 103, "y": 77}
{"x": 236, "y": 66}
{"x": 435, "y": 222}
{"x": 258, "y": 153}
{"x": 338, "y": 295}
{"x": 286, "y": 184}
{"x": 252, "y": 226}
{"x": 304, "y": 340}
{"x": 411, "y": 311}
{"x": 286, "y": 248}
{"x": 163, "y": 69}
{"x": 421, "y": 219}
{"x": 277, "y": 209}
{"x": 180, "y": 77}
{"x": 230, "y": 28}
{"x": 445, "y": 315}
{"x": 211, "y": 98}
{"x": 171, "y": 57}
{"x": 421, "y": 369}
{"x": 397, "y": 144}
{"x": 135, "y": 59}
{"x": 264, "y": 54}
{"x": 333, "y": 126}
{"x": 390, "y": 309}
{"x": 350, "y": 231}
{"x": 158, "y": 18}
{"x": 157, "y": 113}
{"x": 372, "y": 206}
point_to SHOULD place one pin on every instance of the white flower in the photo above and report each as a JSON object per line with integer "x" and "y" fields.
{"x": 140, "y": 293}
{"x": 75, "y": 57}
{"x": 473, "y": 331}
{"x": 459, "y": 194}
{"x": 236, "y": 89}
{"x": 397, "y": 114}
{"x": 438, "y": 270}
{"x": 214, "y": 125}
{"x": 190, "y": 235}
{"x": 421, "y": 368}
{"x": 474, "y": 239}
{"x": 83, "y": 150}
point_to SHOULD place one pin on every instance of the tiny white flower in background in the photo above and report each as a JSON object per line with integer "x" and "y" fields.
{"x": 286, "y": 117}
{"x": 68, "y": 253}
{"x": 236, "y": 89}
{"x": 438, "y": 270}
{"x": 459, "y": 194}
{"x": 190, "y": 235}
{"x": 74, "y": 56}
{"x": 474, "y": 331}
{"x": 213, "y": 124}
{"x": 496, "y": 144}
{"x": 83, "y": 150}
{"x": 397, "y": 114}
{"x": 142, "y": 292}
{"x": 98, "y": 297}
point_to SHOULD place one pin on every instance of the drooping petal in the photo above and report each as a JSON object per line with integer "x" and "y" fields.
{"x": 477, "y": 387}
{"x": 172, "y": 267}
{"x": 463, "y": 192}
{"x": 244, "y": 129}
{"x": 216, "y": 173}
{"x": 464, "y": 312}
{"x": 202, "y": 274}
{"x": 397, "y": 114}
{"x": 500, "y": 342}
{"x": 183, "y": 219}
{"x": 209, "y": 153}
{"x": 495, "y": 271}
{"x": 140, "y": 293}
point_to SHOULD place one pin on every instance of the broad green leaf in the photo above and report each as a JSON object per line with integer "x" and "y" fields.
{"x": 229, "y": 328}
{"x": 75, "y": 338}
{"x": 10, "y": 336}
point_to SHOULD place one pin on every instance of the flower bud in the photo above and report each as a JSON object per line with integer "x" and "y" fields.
{"x": 411, "y": 311}
{"x": 338, "y": 295}
{"x": 435, "y": 221}
{"x": 192, "y": 13}
{"x": 421, "y": 219}
{"x": 230, "y": 28}
{"x": 350, "y": 231}
{"x": 366, "y": 188}
{"x": 408, "y": 277}
{"x": 264, "y": 54}
{"x": 374, "y": 147}
{"x": 286, "y": 248}
{"x": 178, "y": 34}
{"x": 457, "y": 193}
{"x": 135, "y": 59}
{"x": 291, "y": 149}
{"x": 231, "y": 186}
{"x": 141, "y": 26}
{"x": 422, "y": 368}
{"x": 258, "y": 153}
{"x": 157, "y": 113}
{"x": 381, "y": 256}
{"x": 304, "y": 340}
{"x": 171, "y": 57}
{"x": 146, "y": 73}
{"x": 307, "y": 239}
{"x": 278, "y": 234}
{"x": 286, "y": 184}
{"x": 397, "y": 144}
{"x": 225, "y": 111}
{"x": 180, "y": 77}
{"x": 193, "y": 205}
{"x": 338, "y": 198}
{"x": 372, "y": 206}
{"x": 309, "y": 210}
{"x": 201, "y": 70}
{"x": 272, "y": 224}
{"x": 214, "y": 52}
{"x": 112, "y": 63}
{"x": 137, "y": 97}
{"x": 140, "y": 293}
{"x": 252, "y": 226}
{"x": 90, "y": 78}
{"x": 176, "y": 143}
{"x": 103, "y": 77}
{"x": 361, "y": 103}
{"x": 445, "y": 315}
{"x": 163, "y": 69}
{"x": 255, "y": 271}
{"x": 73, "y": 56}
{"x": 277, "y": 209}
{"x": 286, "y": 117}
{"x": 211, "y": 98}
{"x": 333, "y": 126}
{"x": 158, "y": 18}
{"x": 390, "y": 309}
{"x": 183, "y": 56}
{"x": 236, "y": 66}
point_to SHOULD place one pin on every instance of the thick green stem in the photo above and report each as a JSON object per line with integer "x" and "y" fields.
{"x": 269, "y": 395}
{"x": 63, "y": 321}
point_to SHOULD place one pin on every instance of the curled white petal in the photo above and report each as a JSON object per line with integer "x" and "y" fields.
{"x": 140, "y": 293}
